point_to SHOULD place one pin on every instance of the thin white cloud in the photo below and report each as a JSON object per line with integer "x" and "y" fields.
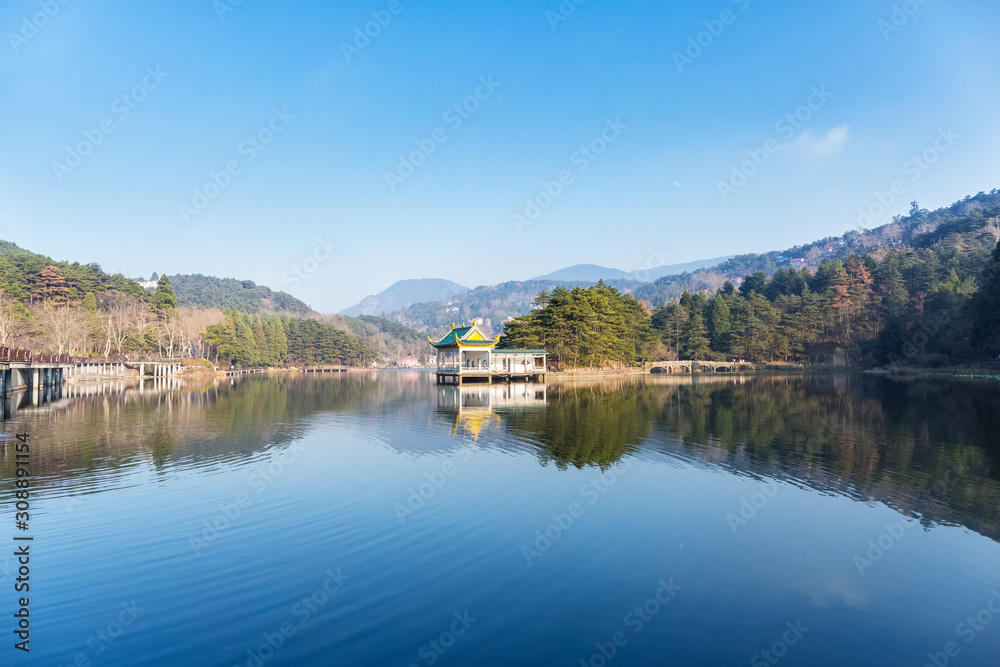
{"x": 829, "y": 144}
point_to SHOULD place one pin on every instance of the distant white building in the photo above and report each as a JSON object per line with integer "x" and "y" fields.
{"x": 148, "y": 284}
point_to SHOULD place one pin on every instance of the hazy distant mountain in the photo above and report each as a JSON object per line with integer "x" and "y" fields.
{"x": 648, "y": 275}
{"x": 404, "y": 293}
{"x": 588, "y": 272}
{"x": 660, "y": 285}
{"x": 593, "y": 272}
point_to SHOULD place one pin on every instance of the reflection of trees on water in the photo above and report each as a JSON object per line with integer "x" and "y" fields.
{"x": 924, "y": 446}
{"x": 594, "y": 424}
{"x": 108, "y": 431}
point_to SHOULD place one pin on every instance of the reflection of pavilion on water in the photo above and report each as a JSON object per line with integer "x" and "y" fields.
{"x": 459, "y": 398}
{"x": 474, "y": 407}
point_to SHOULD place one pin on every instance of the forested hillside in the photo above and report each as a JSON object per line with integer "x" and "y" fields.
{"x": 933, "y": 300}
{"x": 920, "y": 228}
{"x": 62, "y": 307}
{"x": 922, "y": 290}
{"x": 387, "y": 338}
{"x": 494, "y": 303}
{"x": 254, "y": 341}
{"x": 23, "y": 277}
{"x": 198, "y": 291}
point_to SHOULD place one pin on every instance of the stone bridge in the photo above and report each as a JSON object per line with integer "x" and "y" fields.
{"x": 701, "y": 367}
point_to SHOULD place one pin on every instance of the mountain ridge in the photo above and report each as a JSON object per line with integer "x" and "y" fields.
{"x": 595, "y": 272}
{"x": 496, "y": 303}
{"x": 403, "y": 293}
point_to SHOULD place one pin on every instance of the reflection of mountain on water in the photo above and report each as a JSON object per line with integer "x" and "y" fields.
{"x": 926, "y": 447}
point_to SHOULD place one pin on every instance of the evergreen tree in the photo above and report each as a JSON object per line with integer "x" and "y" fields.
{"x": 890, "y": 287}
{"x": 753, "y": 284}
{"x": 164, "y": 299}
{"x": 696, "y": 343}
{"x": 986, "y": 305}
{"x": 90, "y": 303}
{"x": 589, "y": 327}
{"x": 51, "y": 286}
{"x": 720, "y": 322}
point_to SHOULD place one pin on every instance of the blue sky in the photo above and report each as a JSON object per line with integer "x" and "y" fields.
{"x": 309, "y": 131}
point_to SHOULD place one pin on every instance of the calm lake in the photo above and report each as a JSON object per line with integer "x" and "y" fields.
{"x": 378, "y": 519}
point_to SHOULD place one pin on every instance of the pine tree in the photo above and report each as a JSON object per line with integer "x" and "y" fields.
{"x": 755, "y": 283}
{"x": 696, "y": 344}
{"x": 890, "y": 287}
{"x": 51, "y": 286}
{"x": 90, "y": 302}
{"x": 263, "y": 356}
{"x": 164, "y": 299}
{"x": 986, "y": 305}
{"x": 720, "y": 322}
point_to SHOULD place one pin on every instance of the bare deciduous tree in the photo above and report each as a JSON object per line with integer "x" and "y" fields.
{"x": 194, "y": 323}
{"x": 13, "y": 318}
{"x": 143, "y": 324}
{"x": 170, "y": 334}
{"x": 116, "y": 321}
{"x": 879, "y": 253}
{"x": 64, "y": 327}
{"x": 993, "y": 228}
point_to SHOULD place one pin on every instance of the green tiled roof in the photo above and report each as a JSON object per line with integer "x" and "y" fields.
{"x": 519, "y": 352}
{"x": 451, "y": 338}
{"x": 476, "y": 338}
